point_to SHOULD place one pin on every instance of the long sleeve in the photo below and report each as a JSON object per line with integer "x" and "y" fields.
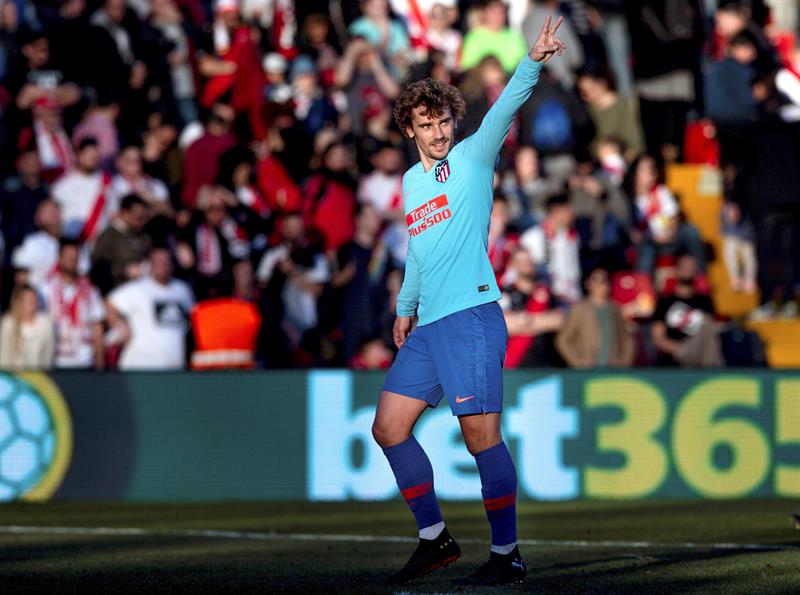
{"x": 485, "y": 144}
{"x": 408, "y": 299}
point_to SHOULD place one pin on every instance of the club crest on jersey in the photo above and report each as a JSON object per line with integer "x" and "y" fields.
{"x": 442, "y": 171}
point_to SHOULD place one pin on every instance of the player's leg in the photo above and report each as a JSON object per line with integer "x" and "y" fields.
{"x": 394, "y": 421}
{"x": 410, "y": 388}
{"x": 470, "y": 363}
{"x": 499, "y": 490}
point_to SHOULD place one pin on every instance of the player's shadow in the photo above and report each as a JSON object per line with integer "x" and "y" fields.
{"x": 632, "y": 573}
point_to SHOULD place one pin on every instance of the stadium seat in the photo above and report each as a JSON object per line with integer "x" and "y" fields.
{"x": 699, "y": 189}
{"x": 781, "y": 338}
{"x": 225, "y": 332}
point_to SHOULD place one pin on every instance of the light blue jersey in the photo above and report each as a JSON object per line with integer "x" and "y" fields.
{"x": 447, "y": 214}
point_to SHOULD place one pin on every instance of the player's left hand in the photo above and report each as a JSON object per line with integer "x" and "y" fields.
{"x": 547, "y": 45}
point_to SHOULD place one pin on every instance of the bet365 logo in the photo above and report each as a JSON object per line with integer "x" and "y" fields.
{"x": 619, "y": 436}
{"x": 35, "y": 437}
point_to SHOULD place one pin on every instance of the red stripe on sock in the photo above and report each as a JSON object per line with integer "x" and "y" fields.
{"x": 417, "y": 490}
{"x": 501, "y": 502}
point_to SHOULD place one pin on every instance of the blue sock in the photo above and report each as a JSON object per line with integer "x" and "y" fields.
{"x": 414, "y": 474}
{"x": 499, "y": 490}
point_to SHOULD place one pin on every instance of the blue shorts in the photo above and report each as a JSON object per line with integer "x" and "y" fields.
{"x": 460, "y": 355}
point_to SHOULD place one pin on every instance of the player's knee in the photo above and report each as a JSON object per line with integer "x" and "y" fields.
{"x": 381, "y": 433}
{"x": 477, "y": 443}
{"x": 387, "y": 435}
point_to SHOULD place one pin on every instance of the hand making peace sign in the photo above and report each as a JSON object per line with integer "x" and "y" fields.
{"x": 547, "y": 43}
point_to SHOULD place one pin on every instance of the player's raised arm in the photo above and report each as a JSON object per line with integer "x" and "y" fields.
{"x": 485, "y": 144}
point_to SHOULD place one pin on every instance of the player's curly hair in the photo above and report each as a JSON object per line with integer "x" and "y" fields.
{"x": 434, "y": 95}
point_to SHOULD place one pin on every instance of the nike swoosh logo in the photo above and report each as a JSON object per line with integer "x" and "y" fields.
{"x": 460, "y": 400}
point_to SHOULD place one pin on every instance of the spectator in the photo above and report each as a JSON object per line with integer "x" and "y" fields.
{"x": 99, "y": 122}
{"x": 738, "y": 248}
{"x": 609, "y": 17}
{"x": 244, "y": 282}
{"x": 50, "y": 139}
{"x": 480, "y": 88}
{"x": 557, "y": 124}
{"x": 660, "y": 229}
{"x": 167, "y": 18}
{"x": 149, "y": 317}
{"x": 736, "y": 17}
{"x": 212, "y": 243}
{"x": 383, "y": 32}
{"x": 527, "y": 190}
{"x": 493, "y": 37}
{"x": 132, "y": 179}
{"x": 312, "y": 108}
{"x": 363, "y": 77}
{"x": 315, "y": 42}
{"x": 683, "y": 329}
{"x": 293, "y": 274}
{"x": 602, "y": 217}
{"x": 76, "y": 308}
{"x": 235, "y": 69}
{"x": 20, "y": 197}
{"x": 200, "y": 164}
{"x": 82, "y": 195}
{"x": 595, "y": 334}
{"x": 610, "y": 155}
{"x": 32, "y": 79}
{"x": 373, "y": 355}
{"x": 26, "y": 334}
{"x": 768, "y": 190}
{"x": 501, "y": 241}
{"x": 383, "y": 190}
{"x": 276, "y": 89}
{"x": 613, "y": 116}
{"x": 441, "y": 36}
{"x": 236, "y": 174}
{"x": 667, "y": 37}
{"x": 554, "y": 247}
{"x": 37, "y": 256}
{"x": 530, "y": 312}
{"x": 363, "y": 266}
{"x": 729, "y": 100}
{"x": 121, "y": 249}
{"x": 330, "y": 197}
{"x": 562, "y": 70}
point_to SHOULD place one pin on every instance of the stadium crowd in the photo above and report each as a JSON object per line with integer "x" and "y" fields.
{"x": 159, "y": 156}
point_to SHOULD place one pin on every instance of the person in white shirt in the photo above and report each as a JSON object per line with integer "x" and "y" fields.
{"x": 27, "y": 340}
{"x": 82, "y": 194}
{"x": 149, "y": 316}
{"x": 37, "y": 256}
{"x": 383, "y": 189}
{"x": 660, "y": 231}
{"x": 77, "y": 310}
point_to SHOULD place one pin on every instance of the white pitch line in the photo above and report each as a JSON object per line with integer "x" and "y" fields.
{"x": 247, "y": 535}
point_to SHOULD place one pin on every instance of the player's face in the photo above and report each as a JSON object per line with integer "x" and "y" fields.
{"x": 434, "y": 135}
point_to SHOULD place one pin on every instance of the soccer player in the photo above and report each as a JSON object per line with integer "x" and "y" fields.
{"x": 459, "y": 342}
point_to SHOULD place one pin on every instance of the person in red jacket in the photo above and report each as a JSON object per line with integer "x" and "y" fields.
{"x": 201, "y": 161}
{"x": 329, "y": 200}
{"x": 234, "y": 73}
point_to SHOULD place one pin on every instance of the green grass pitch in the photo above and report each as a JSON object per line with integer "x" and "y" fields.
{"x": 748, "y": 546}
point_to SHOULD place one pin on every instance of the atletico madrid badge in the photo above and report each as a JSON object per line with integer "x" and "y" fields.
{"x": 442, "y": 171}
